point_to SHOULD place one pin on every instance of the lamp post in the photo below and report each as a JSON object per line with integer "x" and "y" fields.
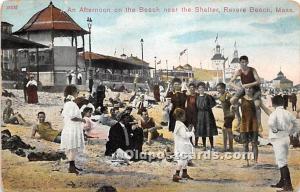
{"x": 142, "y": 46}
{"x": 89, "y": 22}
{"x": 155, "y": 68}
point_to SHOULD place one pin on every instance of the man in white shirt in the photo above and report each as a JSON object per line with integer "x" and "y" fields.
{"x": 282, "y": 124}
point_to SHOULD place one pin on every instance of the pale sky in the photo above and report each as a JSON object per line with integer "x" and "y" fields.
{"x": 270, "y": 39}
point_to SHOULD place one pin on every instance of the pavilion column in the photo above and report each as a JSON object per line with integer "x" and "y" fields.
{"x": 37, "y": 65}
{"x": 28, "y": 60}
{"x": 72, "y": 41}
{"x": 122, "y": 78}
{"x": 76, "y": 59}
{"x": 2, "y": 60}
{"x": 52, "y": 56}
{"x": 113, "y": 74}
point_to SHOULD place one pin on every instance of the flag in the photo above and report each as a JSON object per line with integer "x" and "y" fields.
{"x": 182, "y": 52}
{"x": 216, "y": 38}
{"x": 159, "y": 62}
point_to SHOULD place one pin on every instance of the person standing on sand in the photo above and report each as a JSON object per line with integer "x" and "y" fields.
{"x": 72, "y": 139}
{"x": 178, "y": 99}
{"x": 249, "y": 124}
{"x": 293, "y": 99}
{"x": 228, "y": 116}
{"x": 206, "y": 124}
{"x": 190, "y": 106}
{"x": 25, "y": 81}
{"x": 249, "y": 79}
{"x": 32, "y": 87}
{"x": 183, "y": 148}
{"x": 282, "y": 124}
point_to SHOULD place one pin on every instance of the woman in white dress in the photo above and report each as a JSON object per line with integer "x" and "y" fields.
{"x": 72, "y": 139}
{"x": 183, "y": 149}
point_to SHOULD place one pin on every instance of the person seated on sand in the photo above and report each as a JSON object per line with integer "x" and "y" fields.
{"x": 45, "y": 130}
{"x": 93, "y": 129}
{"x": 9, "y": 117}
{"x": 121, "y": 136}
{"x": 149, "y": 126}
{"x": 105, "y": 119}
{"x": 141, "y": 104}
{"x": 5, "y": 93}
{"x": 114, "y": 112}
{"x": 116, "y": 100}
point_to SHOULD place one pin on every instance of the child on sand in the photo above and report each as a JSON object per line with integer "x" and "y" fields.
{"x": 10, "y": 117}
{"x": 72, "y": 139}
{"x": 94, "y": 129}
{"x": 228, "y": 116}
{"x": 183, "y": 149}
{"x": 282, "y": 124}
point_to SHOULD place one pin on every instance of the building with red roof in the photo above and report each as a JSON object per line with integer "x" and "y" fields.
{"x": 56, "y": 61}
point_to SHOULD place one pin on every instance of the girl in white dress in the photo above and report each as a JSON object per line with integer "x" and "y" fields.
{"x": 183, "y": 149}
{"x": 72, "y": 139}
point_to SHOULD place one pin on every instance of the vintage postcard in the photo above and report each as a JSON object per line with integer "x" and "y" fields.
{"x": 158, "y": 95}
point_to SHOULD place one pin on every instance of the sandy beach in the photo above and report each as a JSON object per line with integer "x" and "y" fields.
{"x": 18, "y": 174}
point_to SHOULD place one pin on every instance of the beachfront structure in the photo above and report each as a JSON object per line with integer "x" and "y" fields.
{"x": 10, "y": 45}
{"x": 7, "y": 56}
{"x": 114, "y": 69}
{"x": 281, "y": 82}
{"x": 185, "y": 73}
{"x": 218, "y": 62}
{"x": 50, "y": 26}
{"x": 233, "y": 65}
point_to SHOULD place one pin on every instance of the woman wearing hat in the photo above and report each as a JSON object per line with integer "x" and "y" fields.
{"x": 32, "y": 90}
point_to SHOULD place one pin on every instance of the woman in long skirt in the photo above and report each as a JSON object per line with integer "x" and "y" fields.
{"x": 32, "y": 90}
{"x": 206, "y": 124}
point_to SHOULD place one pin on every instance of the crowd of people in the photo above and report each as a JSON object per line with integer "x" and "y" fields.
{"x": 186, "y": 111}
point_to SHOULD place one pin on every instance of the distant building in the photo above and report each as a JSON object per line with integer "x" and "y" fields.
{"x": 114, "y": 69}
{"x": 233, "y": 65}
{"x": 185, "y": 73}
{"x": 10, "y": 46}
{"x": 281, "y": 82}
{"x": 218, "y": 58}
{"x": 218, "y": 63}
{"x": 7, "y": 60}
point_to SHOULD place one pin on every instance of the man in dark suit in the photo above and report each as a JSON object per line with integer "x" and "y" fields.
{"x": 122, "y": 136}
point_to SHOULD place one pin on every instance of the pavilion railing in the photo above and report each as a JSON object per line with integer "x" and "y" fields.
{"x": 115, "y": 77}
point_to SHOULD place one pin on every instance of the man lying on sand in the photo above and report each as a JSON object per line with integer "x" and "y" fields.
{"x": 44, "y": 129}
